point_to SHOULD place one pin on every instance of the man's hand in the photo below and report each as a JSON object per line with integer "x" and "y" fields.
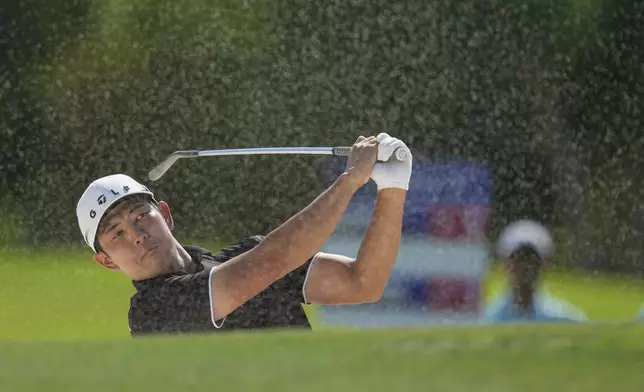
{"x": 361, "y": 160}
{"x": 393, "y": 173}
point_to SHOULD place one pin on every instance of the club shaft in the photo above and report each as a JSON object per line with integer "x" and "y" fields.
{"x": 267, "y": 150}
{"x": 163, "y": 167}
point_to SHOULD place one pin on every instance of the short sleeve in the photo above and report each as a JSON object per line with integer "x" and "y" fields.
{"x": 296, "y": 281}
{"x": 292, "y": 285}
{"x": 180, "y": 304}
{"x": 558, "y": 309}
{"x": 496, "y": 309}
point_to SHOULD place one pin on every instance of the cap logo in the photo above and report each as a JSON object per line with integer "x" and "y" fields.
{"x": 126, "y": 189}
{"x": 114, "y": 193}
{"x": 92, "y": 214}
{"x": 101, "y": 200}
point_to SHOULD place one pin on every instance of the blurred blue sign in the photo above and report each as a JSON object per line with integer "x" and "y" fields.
{"x": 448, "y": 200}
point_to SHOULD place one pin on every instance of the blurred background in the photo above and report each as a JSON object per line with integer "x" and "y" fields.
{"x": 544, "y": 96}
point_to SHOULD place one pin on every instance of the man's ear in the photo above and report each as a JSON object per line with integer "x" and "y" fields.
{"x": 164, "y": 208}
{"x": 104, "y": 260}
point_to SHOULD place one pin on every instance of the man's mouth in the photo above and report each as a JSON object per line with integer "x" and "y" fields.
{"x": 149, "y": 251}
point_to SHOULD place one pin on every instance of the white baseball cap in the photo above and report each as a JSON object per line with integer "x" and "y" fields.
{"x": 99, "y": 196}
{"x": 525, "y": 233}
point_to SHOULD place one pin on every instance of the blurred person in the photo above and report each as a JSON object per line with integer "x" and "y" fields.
{"x": 524, "y": 247}
{"x": 261, "y": 281}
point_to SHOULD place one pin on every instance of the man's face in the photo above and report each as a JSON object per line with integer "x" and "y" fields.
{"x": 525, "y": 268}
{"x": 136, "y": 238}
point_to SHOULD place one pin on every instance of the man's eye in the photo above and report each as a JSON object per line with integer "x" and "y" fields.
{"x": 143, "y": 215}
{"x": 118, "y": 234}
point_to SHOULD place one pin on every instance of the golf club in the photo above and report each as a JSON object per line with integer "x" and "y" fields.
{"x": 400, "y": 154}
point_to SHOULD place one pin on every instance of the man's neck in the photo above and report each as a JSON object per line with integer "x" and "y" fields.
{"x": 184, "y": 261}
{"x": 523, "y": 299}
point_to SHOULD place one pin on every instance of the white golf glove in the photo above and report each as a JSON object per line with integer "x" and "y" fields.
{"x": 392, "y": 173}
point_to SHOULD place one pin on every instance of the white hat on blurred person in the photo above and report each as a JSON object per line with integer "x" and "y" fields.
{"x": 99, "y": 196}
{"x": 525, "y": 233}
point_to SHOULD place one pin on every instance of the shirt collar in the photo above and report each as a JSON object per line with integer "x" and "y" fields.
{"x": 196, "y": 253}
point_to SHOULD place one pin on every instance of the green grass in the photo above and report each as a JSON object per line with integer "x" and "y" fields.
{"x": 587, "y": 357}
{"x": 602, "y": 297}
{"x": 65, "y": 329}
{"x": 62, "y": 294}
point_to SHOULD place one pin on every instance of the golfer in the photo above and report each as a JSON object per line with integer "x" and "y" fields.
{"x": 261, "y": 281}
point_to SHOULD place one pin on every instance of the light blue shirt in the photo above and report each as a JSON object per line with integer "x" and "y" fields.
{"x": 547, "y": 308}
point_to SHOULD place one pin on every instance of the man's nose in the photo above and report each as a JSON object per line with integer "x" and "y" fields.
{"x": 140, "y": 235}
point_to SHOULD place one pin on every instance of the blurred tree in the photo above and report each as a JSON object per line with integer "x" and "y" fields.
{"x": 545, "y": 92}
{"x": 606, "y": 116}
{"x": 31, "y": 32}
{"x": 477, "y": 80}
{"x": 157, "y": 76}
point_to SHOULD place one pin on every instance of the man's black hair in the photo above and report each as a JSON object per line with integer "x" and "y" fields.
{"x": 125, "y": 199}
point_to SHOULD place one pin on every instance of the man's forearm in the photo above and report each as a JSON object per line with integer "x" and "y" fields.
{"x": 282, "y": 250}
{"x": 300, "y": 237}
{"x": 294, "y": 242}
{"x": 379, "y": 247}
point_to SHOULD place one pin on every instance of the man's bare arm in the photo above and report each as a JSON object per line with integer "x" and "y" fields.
{"x": 294, "y": 242}
{"x": 336, "y": 279}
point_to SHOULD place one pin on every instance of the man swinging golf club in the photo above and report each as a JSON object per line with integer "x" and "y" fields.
{"x": 261, "y": 281}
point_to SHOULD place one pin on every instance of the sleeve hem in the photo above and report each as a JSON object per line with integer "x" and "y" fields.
{"x": 212, "y": 316}
{"x": 306, "y": 278}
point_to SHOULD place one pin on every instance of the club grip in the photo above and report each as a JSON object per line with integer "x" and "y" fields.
{"x": 400, "y": 154}
{"x": 341, "y": 151}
